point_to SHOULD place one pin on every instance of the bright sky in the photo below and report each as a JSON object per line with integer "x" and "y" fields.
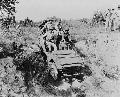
{"x": 67, "y": 9}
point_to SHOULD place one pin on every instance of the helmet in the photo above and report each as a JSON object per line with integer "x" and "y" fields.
{"x": 66, "y": 29}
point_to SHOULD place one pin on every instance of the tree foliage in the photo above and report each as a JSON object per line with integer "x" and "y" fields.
{"x": 7, "y": 11}
{"x": 33, "y": 66}
{"x": 8, "y": 6}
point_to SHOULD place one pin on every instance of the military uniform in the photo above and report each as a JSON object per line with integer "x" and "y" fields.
{"x": 108, "y": 20}
{"x": 117, "y": 20}
{"x": 42, "y": 43}
{"x": 48, "y": 36}
{"x": 112, "y": 20}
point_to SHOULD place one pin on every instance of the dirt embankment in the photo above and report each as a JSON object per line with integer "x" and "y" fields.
{"x": 104, "y": 53}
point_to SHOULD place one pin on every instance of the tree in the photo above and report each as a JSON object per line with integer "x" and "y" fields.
{"x": 7, "y": 9}
{"x": 8, "y": 6}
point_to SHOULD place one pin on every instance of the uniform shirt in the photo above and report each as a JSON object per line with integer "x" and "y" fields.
{"x": 48, "y": 25}
{"x": 48, "y": 35}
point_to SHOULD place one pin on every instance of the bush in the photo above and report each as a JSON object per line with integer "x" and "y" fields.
{"x": 98, "y": 18}
{"x": 33, "y": 66}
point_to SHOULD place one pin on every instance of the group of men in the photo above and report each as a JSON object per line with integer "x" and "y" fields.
{"x": 113, "y": 19}
{"x": 52, "y": 35}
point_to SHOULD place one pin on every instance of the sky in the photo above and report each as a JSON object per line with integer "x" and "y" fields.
{"x": 65, "y": 9}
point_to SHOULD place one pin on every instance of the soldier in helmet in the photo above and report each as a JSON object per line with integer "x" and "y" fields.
{"x": 67, "y": 38}
{"x": 111, "y": 20}
{"x": 59, "y": 38}
{"x": 42, "y": 42}
{"x": 48, "y": 40}
{"x": 53, "y": 69}
{"x": 108, "y": 20}
{"x": 114, "y": 17}
{"x": 117, "y": 20}
{"x": 46, "y": 27}
{"x": 66, "y": 35}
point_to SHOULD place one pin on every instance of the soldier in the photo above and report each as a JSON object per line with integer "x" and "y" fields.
{"x": 117, "y": 20}
{"x": 42, "y": 42}
{"x": 108, "y": 20}
{"x": 46, "y": 27}
{"x": 56, "y": 30}
{"x": 111, "y": 20}
{"x": 59, "y": 38}
{"x": 114, "y": 18}
{"x": 53, "y": 69}
{"x": 67, "y": 38}
{"x": 48, "y": 36}
{"x": 49, "y": 25}
{"x": 63, "y": 45}
{"x": 56, "y": 26}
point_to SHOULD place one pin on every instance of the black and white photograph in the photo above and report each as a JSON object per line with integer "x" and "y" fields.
{"x": 59, "y": 48}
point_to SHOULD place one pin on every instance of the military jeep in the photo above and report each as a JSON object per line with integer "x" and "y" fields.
{"x": 70, "y": 65}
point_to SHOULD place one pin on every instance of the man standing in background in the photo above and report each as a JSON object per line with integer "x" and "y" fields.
{"x": 112, "y": 19}
{"x": 108, "y": 19}
{"x": 118, "y": 18}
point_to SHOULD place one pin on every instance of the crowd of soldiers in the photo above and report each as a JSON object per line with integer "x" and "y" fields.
{"x": 54, "y": 37}
{"x": 112, "y": 19}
